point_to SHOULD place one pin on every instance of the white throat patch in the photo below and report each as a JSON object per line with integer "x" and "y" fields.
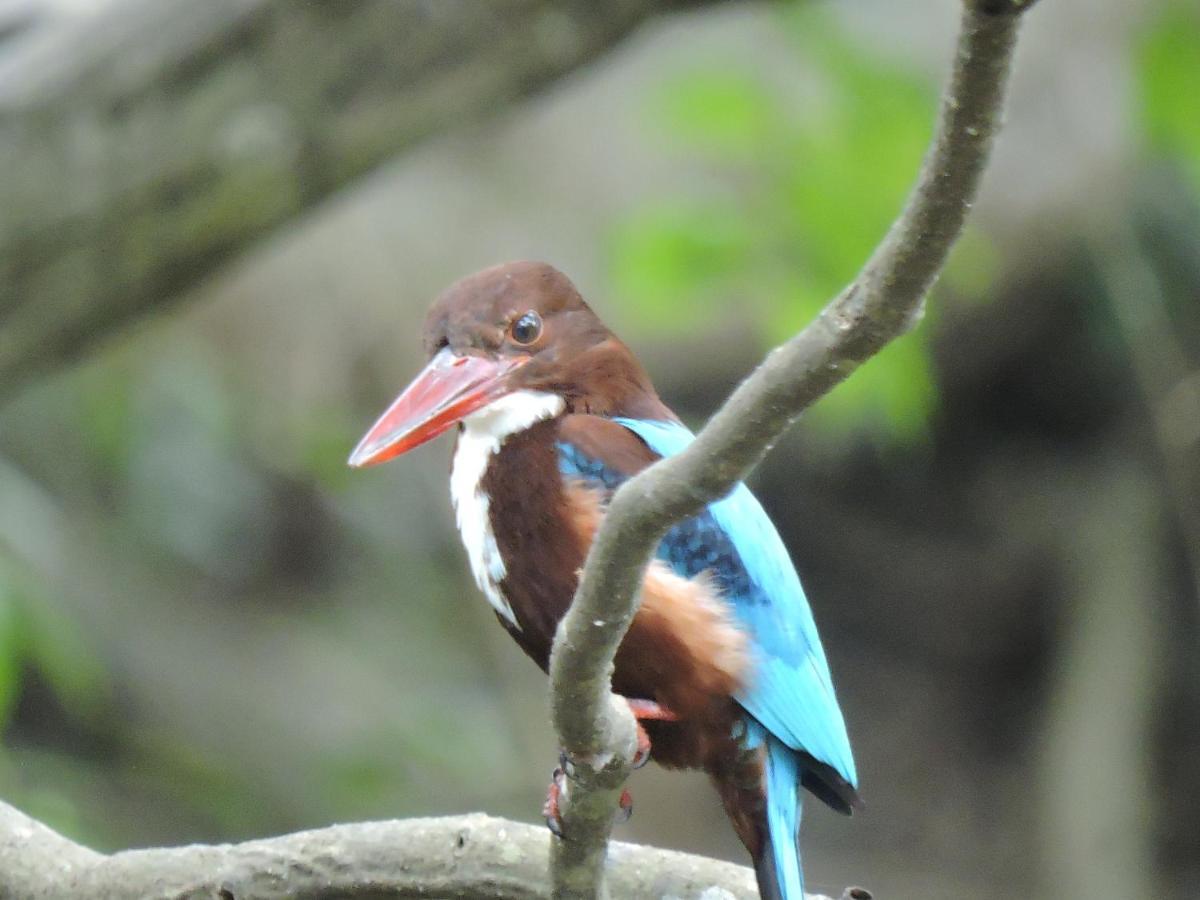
{"x": 484, "y": 431}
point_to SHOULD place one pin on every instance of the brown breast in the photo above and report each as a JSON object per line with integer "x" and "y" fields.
{"x": 683, "y": 650}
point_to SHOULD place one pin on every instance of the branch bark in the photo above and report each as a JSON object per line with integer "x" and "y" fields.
{"x": 474, "y": 857}
{"x": 883, "y": 302}
{"x": 142, "y": 150}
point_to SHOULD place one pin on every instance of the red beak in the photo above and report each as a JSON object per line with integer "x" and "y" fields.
{"x": 447, "y": 390}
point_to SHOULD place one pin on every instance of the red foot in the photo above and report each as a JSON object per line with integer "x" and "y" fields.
{"x": 649, "y": 711}
{"x": 550, "y": 809}
{"x": 558, "y": 789}
{"x": 643, "y": 710}
{"x": 624, "y": 807}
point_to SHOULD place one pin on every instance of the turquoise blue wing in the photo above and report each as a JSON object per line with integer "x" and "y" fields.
{"x": 791, "y": 691}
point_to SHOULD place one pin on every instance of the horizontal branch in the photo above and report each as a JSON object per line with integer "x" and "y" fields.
{"x": 882, "y": 302}
{"x": 473, "y": 857}
{"x": 146, "y": 145}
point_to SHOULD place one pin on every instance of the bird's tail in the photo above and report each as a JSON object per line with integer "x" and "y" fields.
{"x": 777, "y": 865}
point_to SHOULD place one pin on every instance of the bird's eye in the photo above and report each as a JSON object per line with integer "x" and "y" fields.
{"x": 527, "y": 329}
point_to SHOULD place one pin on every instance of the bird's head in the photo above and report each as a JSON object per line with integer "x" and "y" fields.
{"x": 518, "y": 330}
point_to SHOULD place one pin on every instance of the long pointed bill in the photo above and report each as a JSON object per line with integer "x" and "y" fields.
{"x": 446, "y": 391}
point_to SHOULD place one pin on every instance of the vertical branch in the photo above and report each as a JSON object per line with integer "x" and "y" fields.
{"x": 1169, "y": 385}
{"x": 1096, "y": 817}
{"x": 881, "y": 303}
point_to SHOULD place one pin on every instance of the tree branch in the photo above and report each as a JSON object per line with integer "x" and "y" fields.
{"x": 474, "y": 857}
{"x": 882, "y": 303}
{"x": 143, "y": 148}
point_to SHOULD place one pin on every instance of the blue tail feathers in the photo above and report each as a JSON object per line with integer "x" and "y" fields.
{"x": 778, "y": 869}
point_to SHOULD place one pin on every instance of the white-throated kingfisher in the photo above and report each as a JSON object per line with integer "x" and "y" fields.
{"x": 722, "y": 661}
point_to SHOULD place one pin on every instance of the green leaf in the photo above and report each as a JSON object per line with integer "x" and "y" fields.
{"x": 12, "y": 642}
{"x": 803, "y": 193}
{"x": 33, "y": 633}
{"x": 59, "y": 650}
{"x": 668, "y": 261}
{"x": 726, "y": 113}
{"x": 1169, "y": 81}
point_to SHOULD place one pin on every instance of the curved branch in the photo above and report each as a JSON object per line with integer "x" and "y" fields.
{"x": 882, "y": 302}
{"x": 473, "y": 857}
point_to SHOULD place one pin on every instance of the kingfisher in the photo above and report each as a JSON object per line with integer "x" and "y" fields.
{"x": 722, "y": 665}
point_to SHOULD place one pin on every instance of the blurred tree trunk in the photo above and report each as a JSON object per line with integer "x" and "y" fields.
{"x": 146, "y": 145}
{"x": 1096, "y": 767}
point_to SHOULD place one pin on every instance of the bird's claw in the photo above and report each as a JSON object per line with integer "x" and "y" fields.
{"x": 624, "y": 807}
{"x": 565, "y": 764}
{"x": 641, "y": 756}
{"x": 646, "y": 710}
{"x": 551, "y": 809}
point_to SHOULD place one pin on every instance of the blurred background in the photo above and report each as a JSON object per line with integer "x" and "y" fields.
{"x": 220, "y": 227}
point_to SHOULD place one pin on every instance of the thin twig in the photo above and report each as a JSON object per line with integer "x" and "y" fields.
{"x": 882, "y": 303}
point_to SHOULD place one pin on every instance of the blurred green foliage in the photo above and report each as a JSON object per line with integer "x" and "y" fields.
{"x": 35, "y": 641}
{"x": 807, "y": 187}
{"x": 1169, "y": 80}
{"x": 10, "y": 652}
{"x": 33, "y": 636}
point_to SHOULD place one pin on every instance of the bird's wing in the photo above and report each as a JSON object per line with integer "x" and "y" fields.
{"x": 791, "y": 692}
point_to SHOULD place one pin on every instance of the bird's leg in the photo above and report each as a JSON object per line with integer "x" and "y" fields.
{"x": 643, "y": 710}
{"x": 647, "y": 711}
